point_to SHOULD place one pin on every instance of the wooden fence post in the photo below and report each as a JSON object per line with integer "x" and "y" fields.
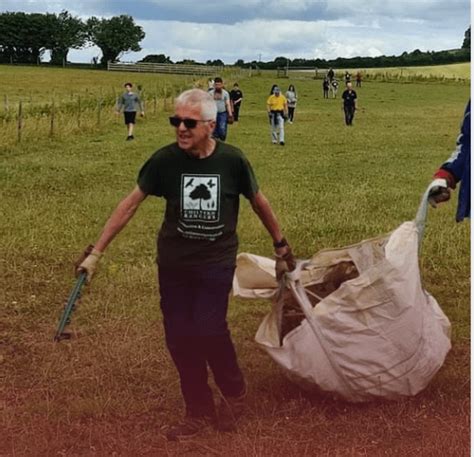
{"x": 20, "y": 121}
{"x": 51, "y": 126}
{"x": 99, "y": 108}
{"x": 79, "y": 111}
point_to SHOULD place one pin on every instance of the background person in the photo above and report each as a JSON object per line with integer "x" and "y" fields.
{"x": 456, "y": 169}
{"x": 291, "y": 99}
{"x": 129, "y": 101}
{"x": 330, "y": 74}
{"x": 334, "y": 86}
{"x": 277, "y": 109}
{"x": 359, "y": 79}
{"x": 236, "y": 97}
{"x": 347, "y": 77}
{"x": 224, "y": 110}
{"x": 349, "y": 103}
{"x": 326, "y": 87}
{"x": 201, "y": 180}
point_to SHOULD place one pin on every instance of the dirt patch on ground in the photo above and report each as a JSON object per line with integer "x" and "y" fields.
{"x": 113, "y": 391}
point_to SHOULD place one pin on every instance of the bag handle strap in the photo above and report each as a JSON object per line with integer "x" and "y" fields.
{"x": 422, "y": 213}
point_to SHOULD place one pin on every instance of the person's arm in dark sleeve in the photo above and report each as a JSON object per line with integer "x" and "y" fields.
{"x": 453, "y": 169}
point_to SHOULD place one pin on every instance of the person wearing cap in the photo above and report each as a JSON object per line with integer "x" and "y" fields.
{"x": 277, "y": 108}
{"x": 224, "y": 109}
{"x": 456, "y": 169}
{"x": 201, "y": 180}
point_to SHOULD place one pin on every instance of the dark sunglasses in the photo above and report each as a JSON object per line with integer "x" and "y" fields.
{"x": 175, "y": 121}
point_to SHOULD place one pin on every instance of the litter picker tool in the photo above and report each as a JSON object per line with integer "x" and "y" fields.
{"x": 69, "y": 308}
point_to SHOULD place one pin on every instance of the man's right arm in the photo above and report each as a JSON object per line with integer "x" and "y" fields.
{"x": 120, "y": 217}
{"x": 116, "y": 222}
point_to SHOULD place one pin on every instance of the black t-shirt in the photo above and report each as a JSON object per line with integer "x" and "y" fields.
{"x": 349, "y": 97}
{"x": 202, "y": 203}
{"x": 235, "y": 94}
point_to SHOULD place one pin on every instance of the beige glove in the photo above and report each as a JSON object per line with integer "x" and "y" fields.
{"x": 91, "y": 257}
{"x": 284, "y": 263}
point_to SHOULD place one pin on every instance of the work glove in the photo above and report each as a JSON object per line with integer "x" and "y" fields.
{"x": 284, "y": 263}
{"x": 439, "y": 192}
{"x": 88, "y": 262}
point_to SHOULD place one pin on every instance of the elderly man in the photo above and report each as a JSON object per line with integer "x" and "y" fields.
{"x": 201, "y": 180}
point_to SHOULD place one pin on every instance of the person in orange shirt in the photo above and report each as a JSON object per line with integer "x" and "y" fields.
{"x": 277, "y": 108}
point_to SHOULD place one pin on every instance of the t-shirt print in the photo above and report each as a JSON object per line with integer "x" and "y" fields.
{"x": 200, "y": 206}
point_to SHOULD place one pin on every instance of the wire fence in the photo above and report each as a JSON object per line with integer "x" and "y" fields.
{"x": 26, "y": 119}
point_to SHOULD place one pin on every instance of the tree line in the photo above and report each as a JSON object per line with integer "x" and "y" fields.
{"x": 25, "y": 37}
{"x": 406, "y": 59}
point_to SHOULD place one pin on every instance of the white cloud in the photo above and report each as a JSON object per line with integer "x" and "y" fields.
{"x": 247, "y": 29}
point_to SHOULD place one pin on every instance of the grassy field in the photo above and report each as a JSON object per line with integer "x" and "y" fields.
{"x": 456, "y": 70}
{"x": 442, "y": 73}
{"x": 112, "y": 389}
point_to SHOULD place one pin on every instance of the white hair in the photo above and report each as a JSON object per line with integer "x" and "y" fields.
{"x": 198, "y": 98}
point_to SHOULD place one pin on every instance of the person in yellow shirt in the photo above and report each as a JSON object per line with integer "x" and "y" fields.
{"x": 277, "y": 108}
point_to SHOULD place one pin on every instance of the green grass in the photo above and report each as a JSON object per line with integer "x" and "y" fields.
{"x": 455, "y": 70}
{"x": 112, "y": 388}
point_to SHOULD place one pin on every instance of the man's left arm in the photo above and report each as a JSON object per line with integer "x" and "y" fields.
{"x": 283, "y": 253}
{"x": 228, "y": 106}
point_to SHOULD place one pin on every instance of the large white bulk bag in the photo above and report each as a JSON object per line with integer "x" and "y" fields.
{"x": 379, "y": 334}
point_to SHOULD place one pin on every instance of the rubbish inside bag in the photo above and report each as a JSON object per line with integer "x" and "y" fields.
{"x": 292, "y": 315}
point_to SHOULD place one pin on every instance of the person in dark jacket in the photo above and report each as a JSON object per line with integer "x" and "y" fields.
{"x": 236, "y": 97}
{"x": 456, "y": 169}
{"x": 349, "y": 103}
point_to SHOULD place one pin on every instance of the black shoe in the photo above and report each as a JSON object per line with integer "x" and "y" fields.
{"x": 229, "y": 411}
{"x": 282, "y": 143}
{"x": 130, "y": 137}
{"x": 189, "y": 427}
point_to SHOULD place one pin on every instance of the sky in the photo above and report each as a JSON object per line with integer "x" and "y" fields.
{"x": 265, "y": 29}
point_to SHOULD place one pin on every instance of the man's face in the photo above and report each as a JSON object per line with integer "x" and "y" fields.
{"x": 218, "y": 86}
{"x": 192, "y": 139}
{"x": 128, "y": 88}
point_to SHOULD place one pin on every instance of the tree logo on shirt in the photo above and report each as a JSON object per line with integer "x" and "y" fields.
{"x": 200, "y": 197}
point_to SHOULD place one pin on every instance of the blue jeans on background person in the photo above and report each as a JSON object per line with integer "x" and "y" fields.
{"x": 220, "y": 132}
{"x": 194, "y": 303}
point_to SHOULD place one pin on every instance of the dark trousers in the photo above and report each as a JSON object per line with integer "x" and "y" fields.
{"x": 349, "y": 114}
{"x": 194, "y": 303}
{"x": 236, "y": 111}
{"x": 326, "y": 93}
{"x": 291, "y": 113}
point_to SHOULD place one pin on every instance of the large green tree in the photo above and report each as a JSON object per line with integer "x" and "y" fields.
{"x": 67, "y": 32}
{"x": 24, "y": 37}
{"x": 466, "y": 44}
{"x": 115, "y": 36}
